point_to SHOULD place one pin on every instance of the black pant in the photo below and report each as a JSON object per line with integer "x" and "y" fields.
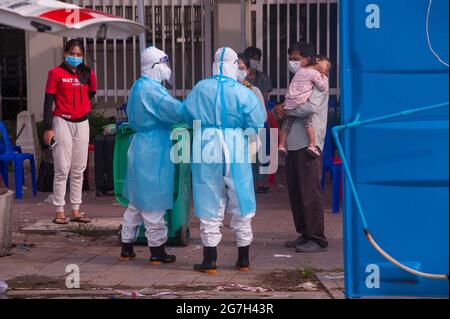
{"x": 304, "y": 173}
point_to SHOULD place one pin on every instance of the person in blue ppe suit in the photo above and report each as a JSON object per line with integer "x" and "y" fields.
{"x": 150, "y": 174}
{"x": 227, "y": 111}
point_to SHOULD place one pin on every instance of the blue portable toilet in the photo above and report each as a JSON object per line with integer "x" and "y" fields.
{"x": 400, "y": 166}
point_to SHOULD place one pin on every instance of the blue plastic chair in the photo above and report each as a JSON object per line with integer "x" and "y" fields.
{"x": 17, "y": 149}
{"x": 271, "y": 104}
{"x": 334, "y": 166}
{"x": 9, "y": 153}
{"x": 334, "y": 110}
{"x": 336, "y": 173}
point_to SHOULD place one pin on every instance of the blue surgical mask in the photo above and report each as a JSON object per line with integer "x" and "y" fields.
{"x": 73, "y": 61}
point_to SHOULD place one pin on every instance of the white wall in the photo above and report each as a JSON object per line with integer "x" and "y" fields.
{"x": 43, "y": 52}
{"x": 228, "y": 24}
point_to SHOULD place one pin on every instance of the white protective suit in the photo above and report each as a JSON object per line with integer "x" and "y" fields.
{"x": 221, "y": 103}
{"x": 149, "y": 186}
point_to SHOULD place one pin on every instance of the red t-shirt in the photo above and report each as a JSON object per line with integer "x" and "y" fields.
{"x": 71, "y": 98}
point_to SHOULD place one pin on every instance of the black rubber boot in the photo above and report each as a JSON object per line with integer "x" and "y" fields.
{"x": 209, "y": 261}
{"x": 127, "y": 252}
{"x": 159, "y": 255}
{"x": 243, "y": 262}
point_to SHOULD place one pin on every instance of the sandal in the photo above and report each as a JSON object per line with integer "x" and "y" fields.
{"x": 82, "y": 219}
{"x": 60, "y": 221}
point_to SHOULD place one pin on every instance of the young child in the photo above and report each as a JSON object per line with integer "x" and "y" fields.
{"x": 299, "y": 92}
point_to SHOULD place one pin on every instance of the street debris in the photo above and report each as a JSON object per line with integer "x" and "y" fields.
{"x": 282, "y": 256}
{"x": 244, "y": 288}
{"x": 308, "y": 286}
{"x": 132, "y": 294}
{"x": 148, "y": 291}
{"x": 191, "y": 249}
{"x": 153, "y": 293}
{"x": 25, "y": 246}
{"x": 166, "y": 292}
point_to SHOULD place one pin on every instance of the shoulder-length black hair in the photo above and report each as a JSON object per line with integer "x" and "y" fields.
{"x": 83, "y": 71}
{"x": 245, "y": 59}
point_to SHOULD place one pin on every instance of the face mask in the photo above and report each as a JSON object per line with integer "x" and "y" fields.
{"x": 73, "y": 61}
{"x": 294, "y": 66}
{"x": 166, "y": 73}
{"x": 254, "y": 64}
{"x": 242, "y": 75}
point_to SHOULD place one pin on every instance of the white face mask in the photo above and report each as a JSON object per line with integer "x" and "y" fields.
{"x": 166, "y": 73}
{"x": 254, "y": 64}
{"x": 242, "y": 75}
{"x": 160, "y": 72}
{"x": 294, "y": 66}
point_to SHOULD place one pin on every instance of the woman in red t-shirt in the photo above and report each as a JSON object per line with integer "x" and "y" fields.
{"x": 70, "y": 86}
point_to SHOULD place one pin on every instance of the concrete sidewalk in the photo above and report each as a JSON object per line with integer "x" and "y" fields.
{"x": 39, "y": 260}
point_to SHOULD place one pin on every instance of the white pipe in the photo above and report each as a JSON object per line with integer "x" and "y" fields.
{"x": 105, "y": 64}
{"x": 115, "y": 59}
{"x": 243, "y": 26}
{"x": 430, "y": 46}
{"x": 402, "y": 266}
{"x": 133, "y": 10}
{"x": 140, "y": 5}
{"x": 124, "y": 46}
{"x": 174, "y": 57}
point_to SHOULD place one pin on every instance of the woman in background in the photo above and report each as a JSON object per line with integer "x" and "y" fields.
{"x": 70, "y": 86}
{"x": 244, "y": 70}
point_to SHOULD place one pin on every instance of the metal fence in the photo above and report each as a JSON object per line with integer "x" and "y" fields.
{"x": 181, "y": 28}
{"x": 277, "y": 24}
{"x": 185, "y": 30}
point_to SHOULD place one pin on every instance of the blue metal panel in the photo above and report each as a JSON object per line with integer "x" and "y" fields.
{"x": 400, "y": 167}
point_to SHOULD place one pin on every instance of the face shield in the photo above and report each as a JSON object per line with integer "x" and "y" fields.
{"x": 164, "y": 69}
{"x": 156, "y": 65}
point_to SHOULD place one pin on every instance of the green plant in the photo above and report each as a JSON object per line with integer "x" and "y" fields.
{"x": 306, "y": 271}
{"x": 86, "y": 230}
{"x": 96, "y": 122}
{"x": 338, "y": 269}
